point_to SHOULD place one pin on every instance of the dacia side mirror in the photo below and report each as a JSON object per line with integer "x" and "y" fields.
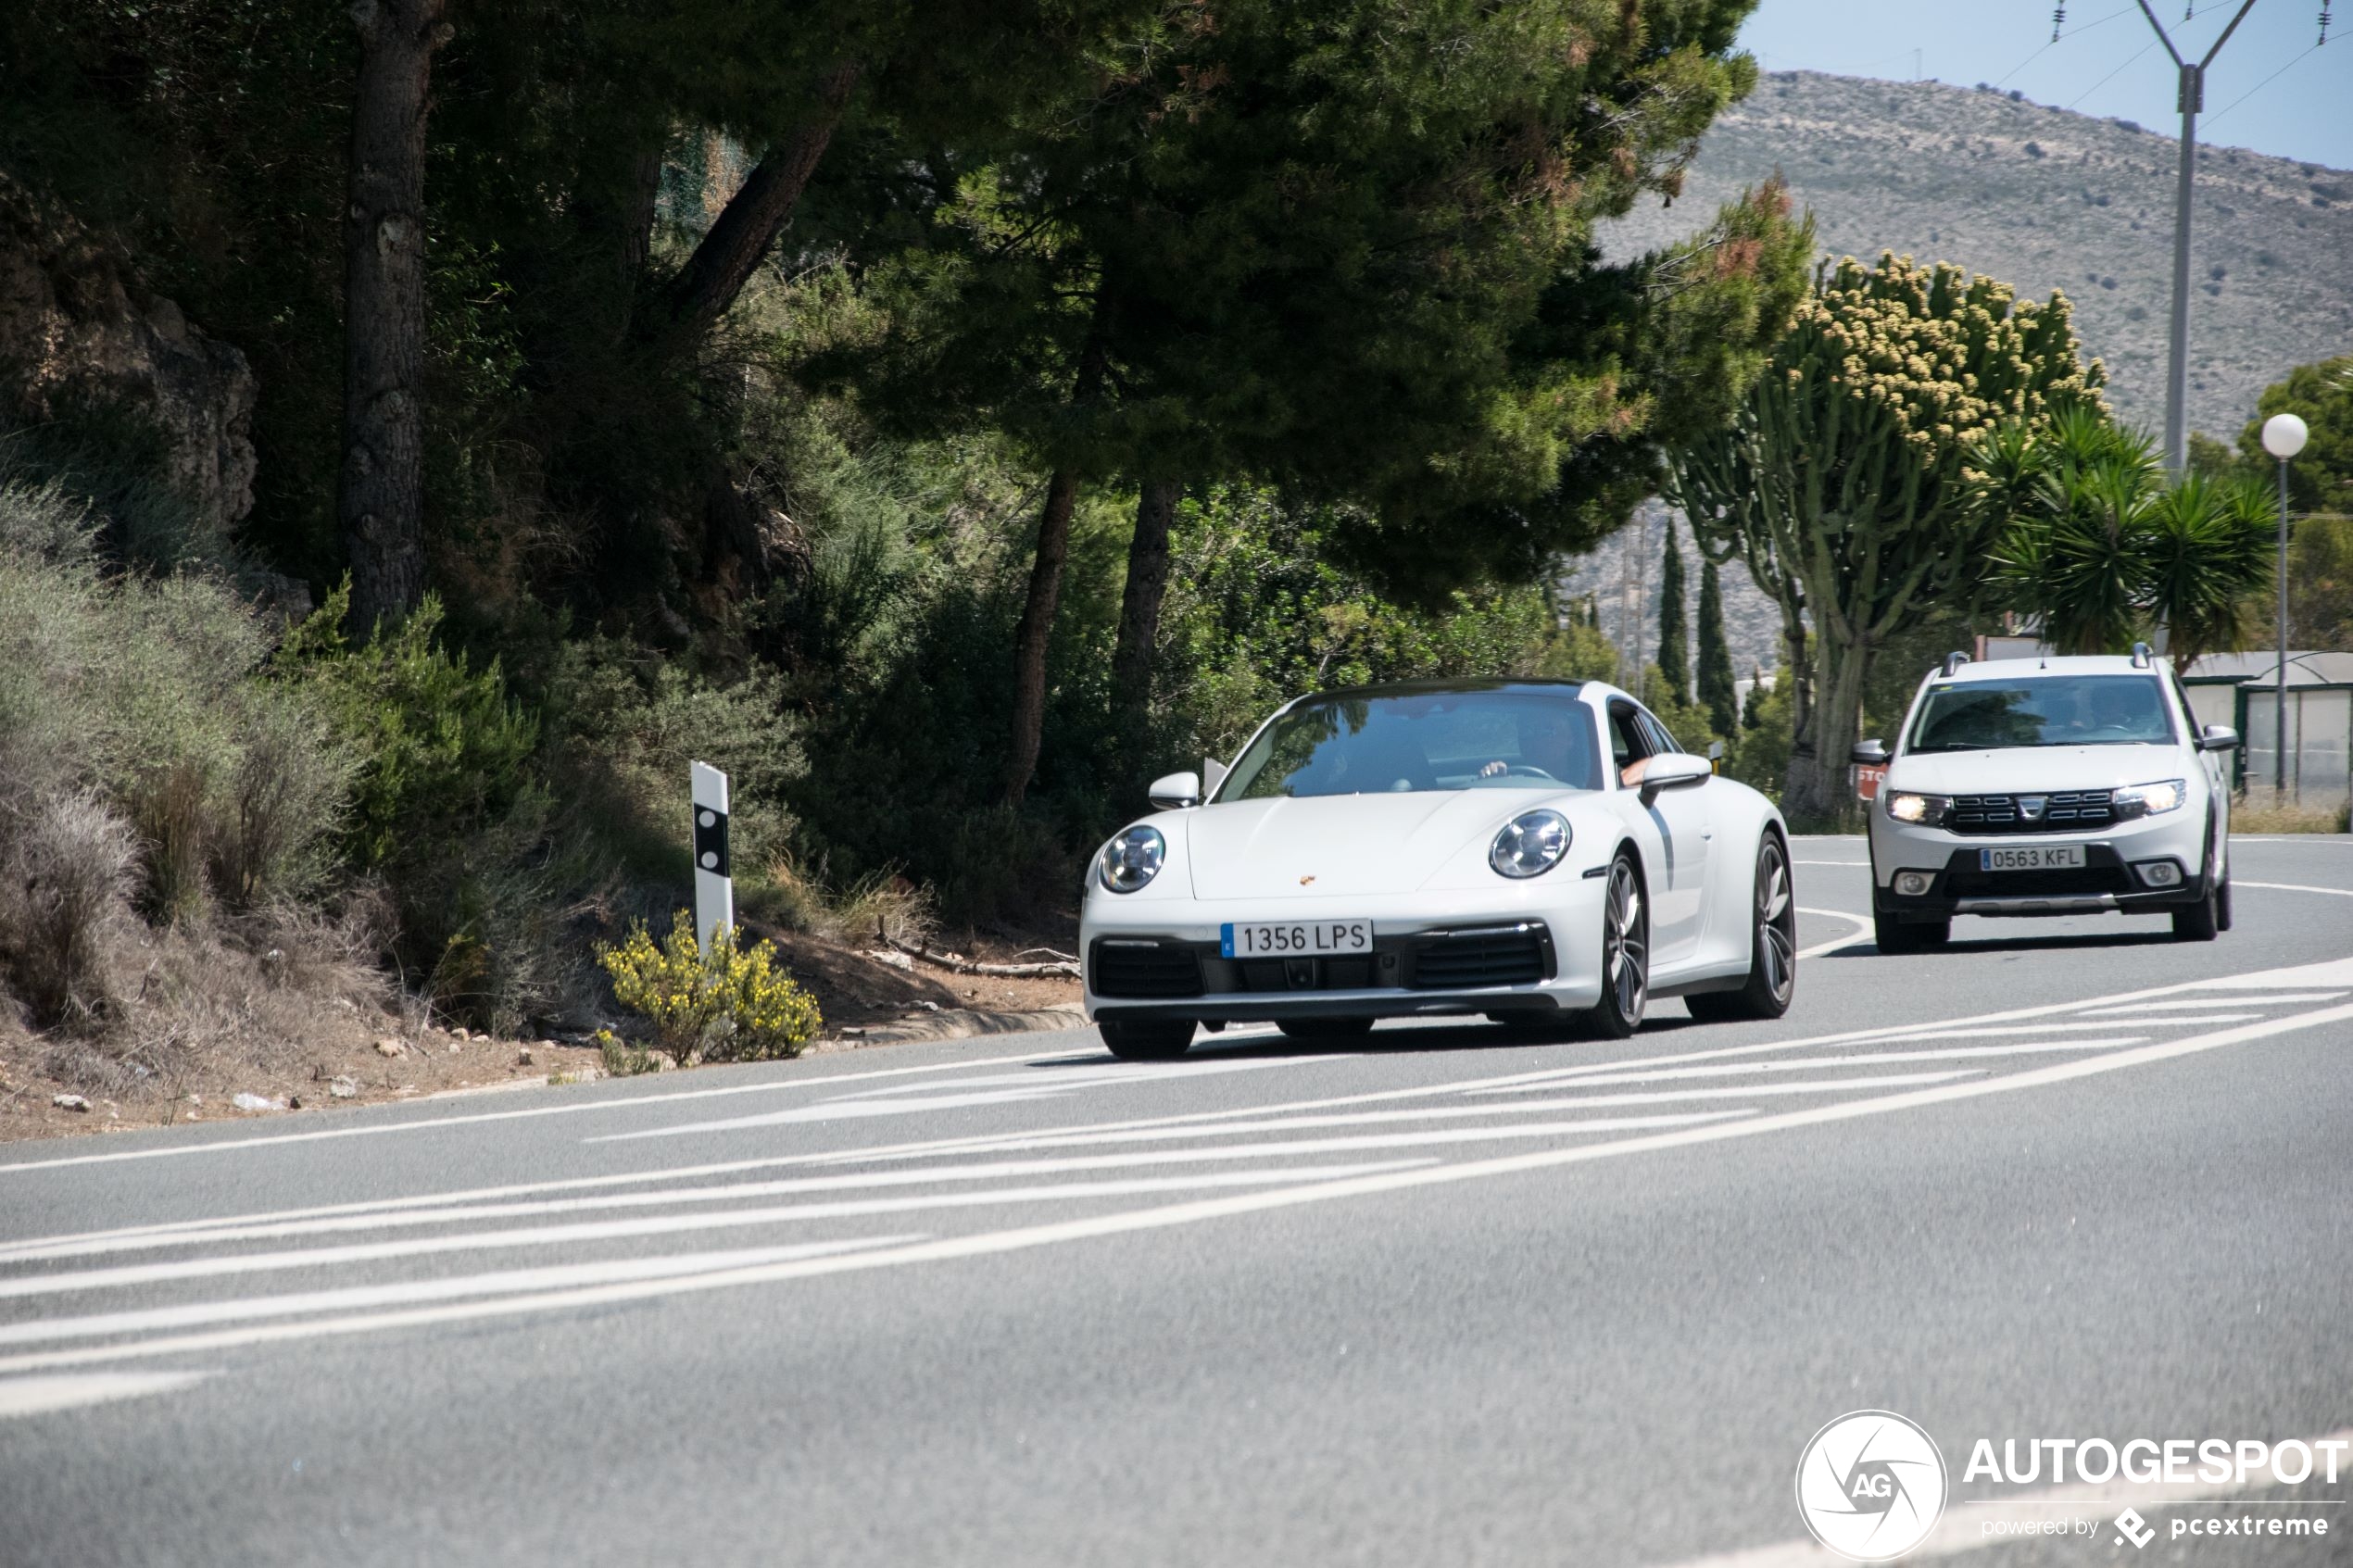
{"x": 1173, "y": 792}
{"x": 1870, "y": 754}
{"x": 2218, "y": 737}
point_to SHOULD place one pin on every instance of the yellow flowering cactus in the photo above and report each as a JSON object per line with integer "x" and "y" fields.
{"x": 731, "y": 1003}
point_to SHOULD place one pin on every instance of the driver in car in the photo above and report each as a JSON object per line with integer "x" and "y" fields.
{"x": 1550, "y": 743}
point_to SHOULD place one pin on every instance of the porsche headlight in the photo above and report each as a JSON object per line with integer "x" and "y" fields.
{"x": 1530, "y": 845}
{"x": 2148, "y": 799}
{"x": 1132, "y": 859}
{"x": 1905, "y": 806}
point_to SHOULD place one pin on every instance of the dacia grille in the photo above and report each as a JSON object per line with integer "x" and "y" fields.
{"x": 2064, "y": 810}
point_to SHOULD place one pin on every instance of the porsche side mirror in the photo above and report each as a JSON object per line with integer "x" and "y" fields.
{"x": 1870, "y": 753}
{"x": 1674, "y": 770}
{"x": 1175, "y": 792}
{"x": 2218, "y": 737}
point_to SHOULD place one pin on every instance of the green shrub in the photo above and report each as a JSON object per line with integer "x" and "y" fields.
{"x": 732, "y": 1004}
{"x": 442, "y": 749}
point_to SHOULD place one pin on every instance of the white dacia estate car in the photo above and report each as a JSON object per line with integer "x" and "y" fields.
{"x": 2049, "y": 787}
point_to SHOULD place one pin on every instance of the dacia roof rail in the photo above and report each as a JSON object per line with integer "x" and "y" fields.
{"x": 2140, "y": 655}
{"x": 1953, "y": 663}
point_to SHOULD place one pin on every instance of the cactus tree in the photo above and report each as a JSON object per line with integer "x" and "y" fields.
{"x": 1841, "y": 482}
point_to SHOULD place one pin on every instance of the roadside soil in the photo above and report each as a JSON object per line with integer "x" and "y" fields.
{"x": 344, "y": 1047}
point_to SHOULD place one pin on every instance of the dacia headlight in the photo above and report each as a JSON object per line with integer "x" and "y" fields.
{"x": 1905, "y": 806}
{"x": 2148, "y": 799}
{"x": 1132, "y": 859}
{"x": 1530, "y": 845}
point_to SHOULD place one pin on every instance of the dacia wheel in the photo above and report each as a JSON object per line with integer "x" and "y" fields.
{"x": 1626, "y": 953}
{"x": 1147, "y": 1039}
{"x": 1324, "y": 1028}
{"x": 1894, "y": 936}
{"x": 1772, "y": 957}
{"x": 2199, "y": 921}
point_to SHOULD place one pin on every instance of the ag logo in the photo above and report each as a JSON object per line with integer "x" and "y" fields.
{"x": 1870, "y": 1485}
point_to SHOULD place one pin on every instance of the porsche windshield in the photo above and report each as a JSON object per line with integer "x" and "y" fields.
{"x": 2047, "y": 710}
{"x": 1416, "y": 741}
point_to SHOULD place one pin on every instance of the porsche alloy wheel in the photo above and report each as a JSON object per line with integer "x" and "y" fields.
{"x": 1626, "y": 953}
{"x": 1772, "y": 963}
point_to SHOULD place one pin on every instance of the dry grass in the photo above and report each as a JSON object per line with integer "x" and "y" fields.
{"x": 802, "y": 900}
{"x": 2262, "y": 810}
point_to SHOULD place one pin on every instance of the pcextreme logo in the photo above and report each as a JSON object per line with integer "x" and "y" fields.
{"x": 1870, "y": 1485}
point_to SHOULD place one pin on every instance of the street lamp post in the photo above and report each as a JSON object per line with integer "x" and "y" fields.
{"x": 2283, "y": 438}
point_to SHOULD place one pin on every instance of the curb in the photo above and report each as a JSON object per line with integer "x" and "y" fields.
{"x": 956, "y": 1023}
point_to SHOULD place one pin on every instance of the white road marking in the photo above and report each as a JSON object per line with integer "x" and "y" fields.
{"x": 2294, "y": 887}
{"x": 38, "y": 1395}
{"x": 574, "y": 1107}
{"x": 952, "y": 1097}
{"x": 1963, "y": 1528}
{"x": 737, "y": 1192}
{"x": 505, "y": 1281}
{"x": 2292, "y": 997}
{"x": 1861, "y": 933}
{"x": 988, "y": 1244}
{"x": 1583, "y": 1079}
{"x": 615, "y": 1230}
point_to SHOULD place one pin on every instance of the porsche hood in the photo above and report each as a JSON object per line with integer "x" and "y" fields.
{"x": 1330, "y": 845}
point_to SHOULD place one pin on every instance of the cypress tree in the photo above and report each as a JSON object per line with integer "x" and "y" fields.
{"x": 1756, "y": 695}
{"x": 1674, "y": 636}
{"x": 1717, "y": 687}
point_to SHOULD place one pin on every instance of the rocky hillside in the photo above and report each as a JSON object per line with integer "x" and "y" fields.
{"x": 2043, "y": 199}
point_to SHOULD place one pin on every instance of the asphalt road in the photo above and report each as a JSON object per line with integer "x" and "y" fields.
{"x": 1447, "y": 1298}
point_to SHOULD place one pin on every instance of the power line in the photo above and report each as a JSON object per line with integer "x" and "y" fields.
{"x": 2112, "y": 75}
{"x": 2055, "y": 38}
{"x": 2259, "y": 86}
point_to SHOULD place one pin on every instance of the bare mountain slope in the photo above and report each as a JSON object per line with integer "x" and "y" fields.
{"x": 2046, "y": 199}
{"x": 2042, "y": 199}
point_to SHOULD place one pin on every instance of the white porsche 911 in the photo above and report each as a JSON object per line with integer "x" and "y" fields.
{"x": 1535, "y": 851}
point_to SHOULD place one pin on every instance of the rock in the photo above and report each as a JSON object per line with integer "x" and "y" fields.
{"x": 459, "y": 1034}
{"x": 294, "y": 1102}
{"x": 342, "y": 1089}
{"x": 256, "y": 1102}
{"x": 69, "y": 1102}
{"x": 389, "y": 1047}
{"x": 79, "y": 328}
{"x": 522, "y": 1057}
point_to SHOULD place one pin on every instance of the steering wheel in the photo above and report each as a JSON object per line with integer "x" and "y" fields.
{"x": 1524, "y": 770}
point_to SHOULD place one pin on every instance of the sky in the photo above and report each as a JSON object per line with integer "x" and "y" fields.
{"x": 2269, "y": 90}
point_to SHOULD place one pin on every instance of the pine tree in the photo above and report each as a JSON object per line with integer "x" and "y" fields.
{"x": 1674, "y": 636}
{"x": 1717, "y": 693}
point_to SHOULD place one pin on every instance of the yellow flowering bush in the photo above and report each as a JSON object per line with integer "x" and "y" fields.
{"x": 732, "y": 1004}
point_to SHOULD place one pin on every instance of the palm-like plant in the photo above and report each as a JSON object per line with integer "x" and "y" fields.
{"x": 2099, "y": 550}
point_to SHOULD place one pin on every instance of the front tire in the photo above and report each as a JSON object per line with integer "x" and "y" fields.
{"x": 1147, "y": 1039}
{"x": 2199, "y": 921}
{"x": 1626, "y": 954}
{"x": 1772, "y": 957}
{"x": 1894, "y": 935}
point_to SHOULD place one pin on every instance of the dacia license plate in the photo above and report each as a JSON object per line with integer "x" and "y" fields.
{"x": 2032, "y": 858}
{"x": 1294, "y": 939}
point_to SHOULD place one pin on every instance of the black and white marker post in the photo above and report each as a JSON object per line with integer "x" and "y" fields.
{"x": 715, "y": 888}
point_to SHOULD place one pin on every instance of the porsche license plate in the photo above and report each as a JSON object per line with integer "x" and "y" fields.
{"x": 2032, "y": 858}
{"x": 1294, "y": 939}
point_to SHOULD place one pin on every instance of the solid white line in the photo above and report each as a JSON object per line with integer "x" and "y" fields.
{"x": 505, "y": 1281}
{"x": 988, "y": 1244}
{"x": 570, "y": 1109}
{"x": 616, "y": 1230}
{"x": 738, "y": 1192}
{"x": 2293, "y": 888}
{"x": 2304, "y": 996}
{"x": 1963, "y": 1527}
{"x": 1862, "y": 932}
{"x": 1812, "y": 1063}
{"x": 38, "y": 1395}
